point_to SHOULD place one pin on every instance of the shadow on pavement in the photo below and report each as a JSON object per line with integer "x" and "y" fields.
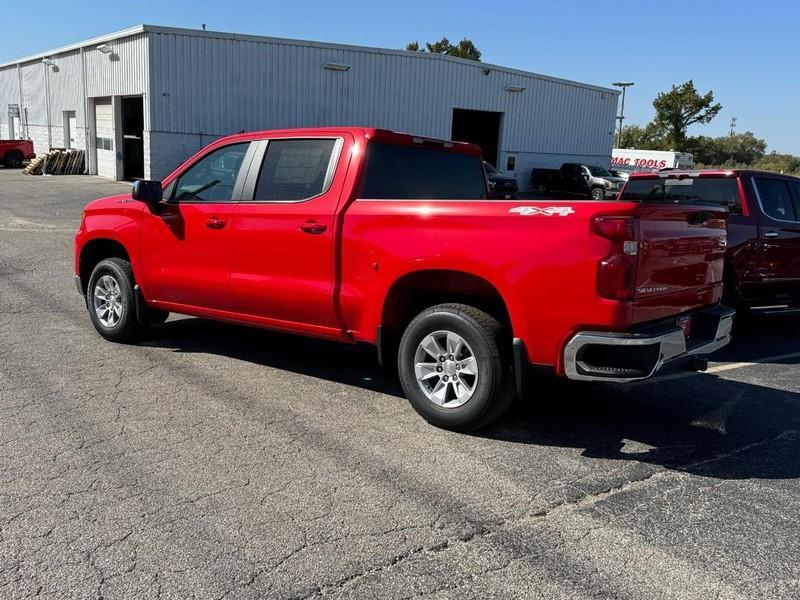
{"x": 702, "y": 424}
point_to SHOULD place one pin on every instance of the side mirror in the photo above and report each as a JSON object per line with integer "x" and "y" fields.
{"x": 147, "y": 191}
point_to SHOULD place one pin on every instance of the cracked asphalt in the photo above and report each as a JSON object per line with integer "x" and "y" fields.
{"x": 214, "y": 461}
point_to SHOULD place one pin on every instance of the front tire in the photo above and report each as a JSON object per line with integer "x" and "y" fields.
{"x": 110, "y": 300}
{"x": 453, "y": 367}
{"x": 598, "y": 194}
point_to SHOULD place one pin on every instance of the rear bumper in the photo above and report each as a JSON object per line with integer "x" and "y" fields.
{"x": 632, "y": 356}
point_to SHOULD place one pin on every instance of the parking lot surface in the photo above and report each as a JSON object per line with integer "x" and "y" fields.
{"x": 216, "y": 461}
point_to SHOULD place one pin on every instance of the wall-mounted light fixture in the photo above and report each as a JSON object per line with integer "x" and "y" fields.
{"x": 515, "y": 88}
{"x": 332, "y": 66}
{"x": 49, "y": 62}
{"x": 104, "y": 48}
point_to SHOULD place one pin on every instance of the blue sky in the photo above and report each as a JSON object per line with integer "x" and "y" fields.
{"x": 747, "y": 52}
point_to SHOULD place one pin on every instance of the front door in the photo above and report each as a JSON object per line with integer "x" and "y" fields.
{"x": 283, "y": 232}
{"x": 186, "y": 244}
{"x": 779, "y": 232}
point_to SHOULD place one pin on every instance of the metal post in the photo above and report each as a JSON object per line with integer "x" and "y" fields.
{"x": 621, "y": 117}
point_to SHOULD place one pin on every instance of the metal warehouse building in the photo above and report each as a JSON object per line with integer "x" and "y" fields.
{"x": 142, "y": 100}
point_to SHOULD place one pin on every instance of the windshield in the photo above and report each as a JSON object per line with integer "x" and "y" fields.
{"x": 489, "y": 168}
{"x": 599, "y": 172}
{"x": 720, "y": 191}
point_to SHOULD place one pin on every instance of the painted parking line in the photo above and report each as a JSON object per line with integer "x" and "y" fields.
{"x": 719, "y": 368}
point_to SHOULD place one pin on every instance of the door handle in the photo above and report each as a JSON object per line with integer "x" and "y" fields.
{"x": 313, "y": 227}
{"x": 771, "y": 234}
{"x": 215, "y": 223}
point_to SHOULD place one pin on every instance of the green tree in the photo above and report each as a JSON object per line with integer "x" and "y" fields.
{"x": 680, "y": 108}
{"x": 644, "y": 138}
{"x": 464, "y": 49}
{"x": 739, "y": 149}
{"x": 779, "y": 163}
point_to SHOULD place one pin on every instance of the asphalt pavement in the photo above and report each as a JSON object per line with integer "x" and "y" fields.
{"x": 216, "y": 461}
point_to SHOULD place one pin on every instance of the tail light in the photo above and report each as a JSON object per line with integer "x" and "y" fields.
{"x": 616, "y": 273}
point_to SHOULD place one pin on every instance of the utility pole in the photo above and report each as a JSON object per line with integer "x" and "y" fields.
{"x": 624, "y": 85}
{"x": 733, "y": 126}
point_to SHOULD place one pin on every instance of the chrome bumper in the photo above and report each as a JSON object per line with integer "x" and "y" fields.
{"x": 625, "y": 357}
{"x": 78, "y": 284}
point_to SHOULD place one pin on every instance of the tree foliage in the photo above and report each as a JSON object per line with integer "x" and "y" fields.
{"x": 682, "y": 107}
{"x": 464, "y": 49}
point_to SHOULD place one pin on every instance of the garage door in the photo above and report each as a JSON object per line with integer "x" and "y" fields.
{"x": 104, "y": 138}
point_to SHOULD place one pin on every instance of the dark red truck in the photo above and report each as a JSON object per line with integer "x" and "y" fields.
{"x": 13, "y": 152}
{"x": 762, "y": 263}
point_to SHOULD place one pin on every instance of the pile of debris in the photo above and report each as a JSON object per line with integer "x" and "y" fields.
{"x": 59, "y": 161}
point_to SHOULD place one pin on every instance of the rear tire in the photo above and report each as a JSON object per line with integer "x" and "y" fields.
{"x": 541, "y": 189}
{"x": 13, "y": 160}
{"x": 110, "y": 300}
{"x": 454, "y": 367}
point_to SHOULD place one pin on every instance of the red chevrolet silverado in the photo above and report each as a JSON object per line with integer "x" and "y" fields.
{"x": 14, "y": 152}
{"x": 366, "y": 235}
{"x": 762, "y": 266}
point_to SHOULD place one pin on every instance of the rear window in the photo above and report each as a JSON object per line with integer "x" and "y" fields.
{"x": 395, "y": 172}
{"x": 708, "y": 190}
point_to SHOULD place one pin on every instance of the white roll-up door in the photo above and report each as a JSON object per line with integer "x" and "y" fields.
{"x": 104, "y": 138}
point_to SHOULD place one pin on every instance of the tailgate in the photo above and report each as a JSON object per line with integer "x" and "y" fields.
{"x": 681, "y": 256}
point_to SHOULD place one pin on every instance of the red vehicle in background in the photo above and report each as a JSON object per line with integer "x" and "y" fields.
{"x": 14, "y": 152}
{"x": 366, "y": 235}
{"x": 762, "y": 267}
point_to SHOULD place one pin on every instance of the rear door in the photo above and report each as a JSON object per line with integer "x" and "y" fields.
{"x": 283, "y": 232}
{"x": 779, "y": 230}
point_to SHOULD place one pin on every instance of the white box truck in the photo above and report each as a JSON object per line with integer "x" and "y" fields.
{"x": 631, "y": 160}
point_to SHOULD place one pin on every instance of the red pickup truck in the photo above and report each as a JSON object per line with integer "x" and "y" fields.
{"x": 366, "y": 235}
{"x": 762, "y": 267}
{"x": 13, "y": 152}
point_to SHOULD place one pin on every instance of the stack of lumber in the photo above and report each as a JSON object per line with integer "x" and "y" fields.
{"x": 59, "y": 161}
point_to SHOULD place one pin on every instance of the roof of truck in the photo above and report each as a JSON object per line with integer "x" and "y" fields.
{"x": 368, "y": 133}
{"x": 687, "y": 173}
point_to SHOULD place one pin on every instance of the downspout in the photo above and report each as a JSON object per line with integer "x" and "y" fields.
{"x": 23, "y": 123}
{"x": 89, "y": 143}
{"x": 47, "y": 106}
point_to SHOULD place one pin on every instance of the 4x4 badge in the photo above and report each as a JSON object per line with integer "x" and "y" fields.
{"x": 549, "y": 211}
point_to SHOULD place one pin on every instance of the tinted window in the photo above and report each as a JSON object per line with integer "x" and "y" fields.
{"x": 775, "y": 199}
{"x": 212, "y": 178}
{"x": 599, "y": 172}
{"x": 294, "y": 169}
{"x": 718, "y": 191}
{"x": 416, "y": 172}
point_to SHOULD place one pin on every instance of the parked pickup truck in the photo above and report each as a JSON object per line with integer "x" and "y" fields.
{"x": 762, "y": 266}
{"x": 13, "y": 152}
{"x": 365, "y": 235}
{"x": 586, "y": 181}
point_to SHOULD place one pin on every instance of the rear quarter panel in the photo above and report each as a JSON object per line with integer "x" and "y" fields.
{"x": 542, "y": 262}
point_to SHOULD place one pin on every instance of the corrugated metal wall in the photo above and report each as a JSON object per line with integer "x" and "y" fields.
{"x": 122, "y": 72}
{"x": 217, "y": 85}
{"x": 9, "y": 94}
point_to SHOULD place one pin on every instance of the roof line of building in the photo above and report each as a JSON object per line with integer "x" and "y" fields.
{"x": 77, "y": 45}
{"x": 307, "y": 43}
